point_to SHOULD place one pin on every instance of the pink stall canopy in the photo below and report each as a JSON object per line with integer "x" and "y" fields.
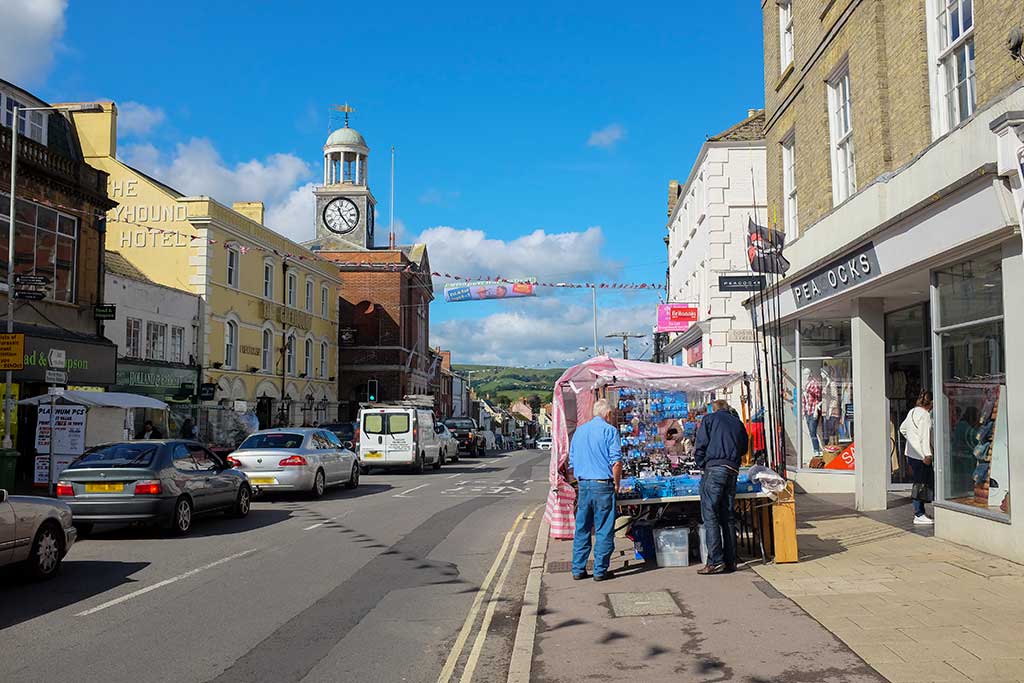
{"x": 577, "y": 384}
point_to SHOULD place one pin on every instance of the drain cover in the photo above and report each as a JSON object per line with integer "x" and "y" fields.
{"x": 642, "y": 604}
{"x": 558, "y": 566}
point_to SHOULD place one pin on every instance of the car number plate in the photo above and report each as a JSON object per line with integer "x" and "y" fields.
{"x": 104, "y": 488}
{"x": 374, "y": 455}
{"x": 263, "y": 480}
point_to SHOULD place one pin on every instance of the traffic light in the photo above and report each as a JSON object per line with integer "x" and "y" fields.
{"x": 371, "y": 390}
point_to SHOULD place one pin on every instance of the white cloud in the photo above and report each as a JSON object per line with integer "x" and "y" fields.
{"x": 134, "y": 118}
{"x": 543, "y": 332}
{"x": 607, "y": 137}
{"x": 280, "y": 181}
{"x": 30, "y": 31}
{"x": 566, "y": 256}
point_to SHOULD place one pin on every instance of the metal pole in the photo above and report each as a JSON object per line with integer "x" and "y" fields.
{"x": 593, "y": 291}
{"x": 391, "y": 204}
{"x": 7, "y": 443}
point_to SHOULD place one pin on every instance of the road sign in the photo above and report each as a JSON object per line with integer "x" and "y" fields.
{"x": 105, "y": 312}
{"x": 56, "y": 377}
{"x": 29, "y": 294}
{"x": 58, "y": 359}
{"x": 55, "y": 391}
{"x": 741, "y": 283}
{"x": 31, "y": 280}
{"x": 12, "y": 351}
{"x": 207, "y": 391}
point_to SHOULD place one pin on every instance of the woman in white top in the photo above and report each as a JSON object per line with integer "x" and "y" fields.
{"x": 917, "y": 430}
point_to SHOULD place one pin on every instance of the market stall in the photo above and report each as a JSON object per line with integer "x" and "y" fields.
{"x": 656, "y": 409}
{"x": 69, "y": 423}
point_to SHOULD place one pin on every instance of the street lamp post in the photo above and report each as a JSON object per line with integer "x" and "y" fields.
{"x": 91, "y": 107}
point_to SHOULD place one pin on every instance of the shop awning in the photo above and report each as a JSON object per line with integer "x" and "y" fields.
{"x": 104, "y": 399}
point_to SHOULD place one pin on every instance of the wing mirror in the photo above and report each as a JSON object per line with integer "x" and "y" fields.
{"x": 348, "y": 444}
{"x": 3, "y": 495}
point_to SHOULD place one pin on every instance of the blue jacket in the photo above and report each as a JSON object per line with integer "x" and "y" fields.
{"x": 721, "y": 440}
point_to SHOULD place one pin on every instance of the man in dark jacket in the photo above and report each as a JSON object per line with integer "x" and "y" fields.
{"x": 721, "y": 443}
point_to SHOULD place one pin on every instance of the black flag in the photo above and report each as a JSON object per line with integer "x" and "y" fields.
{"x": 764, "y": 249}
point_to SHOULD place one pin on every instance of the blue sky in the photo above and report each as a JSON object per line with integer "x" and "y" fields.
{"x": 533, "y": 138}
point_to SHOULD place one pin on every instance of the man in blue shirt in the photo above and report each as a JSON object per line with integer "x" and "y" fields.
{"x": 594, "y": 456}
{"x": 718, "y": 450}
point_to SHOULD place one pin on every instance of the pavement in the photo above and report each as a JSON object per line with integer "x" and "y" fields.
{"x": 407, "y": 578}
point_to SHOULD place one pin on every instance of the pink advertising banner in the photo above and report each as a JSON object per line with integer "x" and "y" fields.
{"x": 676, "y": 317}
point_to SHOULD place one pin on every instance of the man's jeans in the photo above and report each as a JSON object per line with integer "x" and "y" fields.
{"x": 595, "y": 511}
{"x": 717, "y": 495}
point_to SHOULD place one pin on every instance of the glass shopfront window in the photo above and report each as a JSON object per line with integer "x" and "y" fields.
{"x": 908, "y": 361}
{"x": 825, "y": 420}
{"x": 970, "y": 416}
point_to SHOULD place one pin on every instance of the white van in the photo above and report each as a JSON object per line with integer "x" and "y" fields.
{"x": 399, "y": 436}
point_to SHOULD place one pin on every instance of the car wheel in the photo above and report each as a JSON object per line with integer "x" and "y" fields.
{"x": 353, "y": 480}
{"x": 418, "y": 466}
{"x": 47, "y": 552}
{"x": 440, "y": 461}
{"x": 364, "y": 469}
{"x": 181, "y": 520}
{"x": 455, "y": 456}
{"x": 319, "y": 485}
{"x": 481, "y": 451}
{"x": 242, "y": 503}
{"x": 83, "y": 528}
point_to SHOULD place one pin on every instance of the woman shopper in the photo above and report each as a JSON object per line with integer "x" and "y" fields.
{"x": 917, "y": 430}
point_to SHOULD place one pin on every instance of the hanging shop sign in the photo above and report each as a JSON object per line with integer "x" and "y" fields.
{"x": 207, "y": 392}
{"x": 347, "y": 336}
{"x": 676, "y": 317}
{"x": 479, "y": 291}
{"x": 83, "y": 362}
{"x": 845, "y": 273}
{"x": 12, "y": 351}
{"x": 741, "y": 283}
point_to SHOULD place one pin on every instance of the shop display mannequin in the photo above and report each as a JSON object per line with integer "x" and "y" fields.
{"x": 812, "y": 406}
{"x": 829, "y": 405}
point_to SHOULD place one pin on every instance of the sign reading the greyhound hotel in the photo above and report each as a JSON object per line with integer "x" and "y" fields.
{"x": 838, "y": 276}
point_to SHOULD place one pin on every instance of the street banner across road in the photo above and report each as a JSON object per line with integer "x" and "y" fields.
{"x": 483, "y": 290}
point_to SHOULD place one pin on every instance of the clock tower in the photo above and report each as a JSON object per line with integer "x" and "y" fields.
{"x": 344, "y": 203}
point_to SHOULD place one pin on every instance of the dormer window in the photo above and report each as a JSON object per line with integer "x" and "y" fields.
{"x": 31, "y": 124}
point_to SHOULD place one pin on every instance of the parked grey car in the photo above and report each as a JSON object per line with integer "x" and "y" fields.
{"x": 296, "y": 459}
{"x": 36, "y": 532}
{"x": 165, "y": 481}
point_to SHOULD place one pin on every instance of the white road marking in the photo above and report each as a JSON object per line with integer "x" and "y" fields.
{"x": 165, "y": 582}
{"x": 319, "y": 524}
{"x": 404, "y": 494}
{"x": 457, "y": 474}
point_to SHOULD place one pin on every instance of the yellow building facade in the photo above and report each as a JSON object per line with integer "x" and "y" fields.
{"x": 268, "y": 329}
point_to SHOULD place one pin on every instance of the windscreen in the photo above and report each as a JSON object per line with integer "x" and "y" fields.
{"x": 139, "y": 454}
{"x": 272, "y": 440}
{"x": 459, "y": 424}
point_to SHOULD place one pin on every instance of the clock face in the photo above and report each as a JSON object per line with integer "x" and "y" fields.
{"x": 341, "y": 215}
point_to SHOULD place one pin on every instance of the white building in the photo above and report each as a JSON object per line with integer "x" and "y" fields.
{"x": 707, "y": 238}
{"x": 460, "y": 396}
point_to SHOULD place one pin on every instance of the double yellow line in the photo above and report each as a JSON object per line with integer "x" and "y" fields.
{"x": 504, "y": 560}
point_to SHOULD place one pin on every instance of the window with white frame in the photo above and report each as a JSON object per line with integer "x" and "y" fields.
{"x": 307, "y": 367}
{"x": 268, "y": 280}
{"x": 785, "y": 34}
{"x": 293, "y": 284}
{"x": 325, "y": 311}
{"x": 323, "y": 360}
{"x": 267, "y": 351}
{"x": 177, "y": 344}
{"x": 844, "y": 168}
{"x": 230, "y": 344}
{"x": 289, "y": 355}
{"x": 133, "y": 338}
{"x": 309, "y": 295}
{"x": 232, "y": 267}
{"x": 156, "y": 341}
{"x": 31, "y": 124}
{"x": 789, "y": 217}
{"x": 954, "y": 62}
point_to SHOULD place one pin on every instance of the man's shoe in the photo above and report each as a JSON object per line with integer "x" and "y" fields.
{"x": 604, "y": 577}
{"x": 709, "y": 569}
{"x": 730, "y": 568}
{"x": 923, "y": 520}
{"x": 577, "y": 577}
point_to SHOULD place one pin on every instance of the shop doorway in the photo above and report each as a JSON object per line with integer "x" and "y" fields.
{"x": 908, "y": 371}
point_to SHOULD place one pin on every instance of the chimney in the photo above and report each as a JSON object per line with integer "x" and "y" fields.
{"x": 752, "y": 113}
{"x": 96, "y": 130}
{"x": 251, "y": 210}
{"x": 673, "y": 195}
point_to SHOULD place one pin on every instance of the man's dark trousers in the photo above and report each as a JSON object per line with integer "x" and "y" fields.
{"x": 717, "y": 496}
{"x": 595, "y": 511}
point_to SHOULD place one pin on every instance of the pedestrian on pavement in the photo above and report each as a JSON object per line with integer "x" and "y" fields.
{"x": 917, "y": 430}
{"x": 721, "y": 443}
{"x": 188, "y": 429}
{"x": 150, "y": 432}
{"x": 594, "y": 456}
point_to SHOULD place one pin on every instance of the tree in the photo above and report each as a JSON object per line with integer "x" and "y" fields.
{"x": 535, "y": 403}
{"x": 504, "y": 401}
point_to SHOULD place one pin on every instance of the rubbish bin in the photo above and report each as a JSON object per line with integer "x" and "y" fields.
{"x": 8, "y": 464}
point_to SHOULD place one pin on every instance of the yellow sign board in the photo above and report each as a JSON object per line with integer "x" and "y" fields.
{"x": 12, "y": 351}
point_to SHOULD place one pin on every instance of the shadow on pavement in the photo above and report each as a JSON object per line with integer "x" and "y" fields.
{"x": 78, "y": 580}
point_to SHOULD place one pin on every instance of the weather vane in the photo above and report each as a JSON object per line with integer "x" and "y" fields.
{"x": 345, "y": 109}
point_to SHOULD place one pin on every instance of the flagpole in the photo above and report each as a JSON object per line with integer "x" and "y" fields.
{"x": 391, "y": 203}
{"x": 778, "y": 352}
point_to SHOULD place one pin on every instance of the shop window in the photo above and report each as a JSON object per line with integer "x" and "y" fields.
{"x": 156, "y": 341}
{"x": 45, "y": 243}
{"x": 133, "y": 338}
{"x": 825, "y": 338}
{"x": 824, "y": 404}
{"x": 905, "y": 330}
{"x": 908, "y": 371}
{"x": 970, "y": 423}
{"x": 177, "y": 344}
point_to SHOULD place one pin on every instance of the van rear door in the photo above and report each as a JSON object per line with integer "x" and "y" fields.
{"x": 387, "y": 437}
{"x": 400, "y": 439}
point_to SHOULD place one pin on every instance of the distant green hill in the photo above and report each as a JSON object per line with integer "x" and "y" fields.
{"x": 497, "y": 380}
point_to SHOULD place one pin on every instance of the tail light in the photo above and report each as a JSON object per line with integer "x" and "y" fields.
{"x": 65, "y": 489}
{"x": 234, "y": 462}
{"x": 149, "y": 487}
{"x": 293, "y": 461}
{"x": 415, "y": 433}
{"x": 355, "y": 438}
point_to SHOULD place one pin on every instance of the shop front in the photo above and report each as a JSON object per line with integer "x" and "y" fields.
{"x": 175, "y": 385}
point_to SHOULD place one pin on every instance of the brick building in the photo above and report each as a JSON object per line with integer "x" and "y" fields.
{"x": 894, "y": 135}
{"x": 59, "y": 227}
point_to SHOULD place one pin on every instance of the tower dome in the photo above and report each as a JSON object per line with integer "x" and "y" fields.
{"x": 347, "y": 137}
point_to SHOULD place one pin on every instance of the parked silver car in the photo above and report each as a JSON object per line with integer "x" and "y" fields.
{"x": 296, "y": 459}
{"x": 34, "y": 531}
